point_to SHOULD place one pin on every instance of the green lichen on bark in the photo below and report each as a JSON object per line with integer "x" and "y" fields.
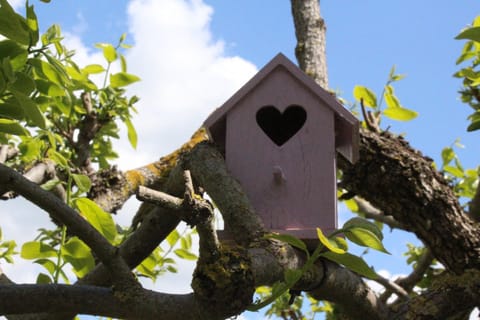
{"x": 225, "y": 285}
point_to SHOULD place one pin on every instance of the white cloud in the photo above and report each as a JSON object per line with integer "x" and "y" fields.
{"x": 17, "y": 4}
{"x": 185, "y": 72}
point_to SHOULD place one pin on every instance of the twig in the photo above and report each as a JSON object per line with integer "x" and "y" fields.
{"x": 373, "y": 213}
{"x": 371, "y": 120}
{"x": 392, "y": 287}
{"x": 409, "y": 282}
{"x": 192, "y": 209}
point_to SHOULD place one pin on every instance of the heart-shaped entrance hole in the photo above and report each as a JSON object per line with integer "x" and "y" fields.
{"x": 280, "y": 127}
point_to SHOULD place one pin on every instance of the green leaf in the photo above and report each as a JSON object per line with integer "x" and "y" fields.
{"x": 32, "y": 23}
{"x": 185, "y": 254}
{"x": 47, "y": 264}
{"x": 447, "y": 155}
{"x": 37, "y": 250}
{"x": 12, "y": 25}
{"x": 17, "y": 54}
{"x": 122, "y": 79}
{"x": 132, "y": 133}
{"x": 82, "y": 181}
{"x": 13, "y": 127}
{"x": 366, "y": 238}
{"x": 23, "y": 84}
{"x": 362, "y": 223}
{"x": 99, "y": 219}
{"x": 79, "y": 255}
{"x": 50, "y": 184}
{"x": 31, "y": 109}
{"x": 109, "y": 51}
{"x": 324, "y": 240}
{"x": 391, "y": 100}
{"x": 354, "y": 263}
{"x": 456, "y": 172}
{"x": 291, "y": 240}
{"x": 400, "y": 114}
{"x": 292, "y": 276}
{"x": 42, "y": 278}
{"x": 93, "y": 69}
{"x": 173, "y": 237}
{"x": 369, "y": 98}
{"x": 46, "y": 70}
{"x": 57, "y": 158}
{"x": 474, "y": 126}
{"x": 123, "y": 63}
{"x": 470, "y": 34}
{"x": 49, "y": 88}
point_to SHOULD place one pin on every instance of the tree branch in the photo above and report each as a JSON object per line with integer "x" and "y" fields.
{"x": 371, "y": 212}
{"x": 447, "y": 298}
{"x": 111, "y": 188}
{"x": 59, "y": 211}
{"x": 421, "y": 200}
{"x": 311, "y": 44}
{"x": 7, "y": 152}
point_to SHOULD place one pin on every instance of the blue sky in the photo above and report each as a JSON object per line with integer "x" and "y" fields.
{"x": 192, "y": 55}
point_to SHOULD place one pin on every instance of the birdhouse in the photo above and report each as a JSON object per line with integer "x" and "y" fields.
{"x": 280, "y": 133}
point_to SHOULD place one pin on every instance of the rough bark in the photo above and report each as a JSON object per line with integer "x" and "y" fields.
{"x": 403, "y": 183}
{"x": 311, "y": 40}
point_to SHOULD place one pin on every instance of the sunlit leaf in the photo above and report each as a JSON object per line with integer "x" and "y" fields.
{"x": 82, "y": 181}
{"x": 324, "y": 240}
{"x": 366, "y": 238}
{"x": 173, "y": 237}
{"x": 131, "y": 132}
{"x": 122, "y": 79}
{"x": 185, "y": 254}
{"x": 362, "y": 223}
{"x": 99, "y": 219}
{"x": 400, "y": 114}
{"x": 369, "y": 98}
{"x": 37, "y": 250}
{"x": 109, "y": 51}
{"x": 93, "y": 68}
{"x": 79, "y": 255}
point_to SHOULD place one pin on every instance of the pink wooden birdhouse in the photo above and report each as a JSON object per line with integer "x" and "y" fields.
{"x": 280, "y": 133}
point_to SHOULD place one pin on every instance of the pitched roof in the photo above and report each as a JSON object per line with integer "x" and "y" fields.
{"x": 347, "y": 125}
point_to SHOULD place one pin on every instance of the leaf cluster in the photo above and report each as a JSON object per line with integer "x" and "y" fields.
{"x": 470, "y": 73}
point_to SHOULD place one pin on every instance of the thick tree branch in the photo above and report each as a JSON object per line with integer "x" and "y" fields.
{"x": 350, "y": 293}
{"x": 209, "y": 171}
{"x": 449, "y": 297}
{"x": 421, "y": 199}
{"x": 111, "y": 189}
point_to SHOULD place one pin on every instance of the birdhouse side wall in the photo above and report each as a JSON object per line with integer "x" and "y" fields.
{"x": 292, "y": 186}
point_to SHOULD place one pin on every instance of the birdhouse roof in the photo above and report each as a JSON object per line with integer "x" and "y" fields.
{"x": 346, "y": 124}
